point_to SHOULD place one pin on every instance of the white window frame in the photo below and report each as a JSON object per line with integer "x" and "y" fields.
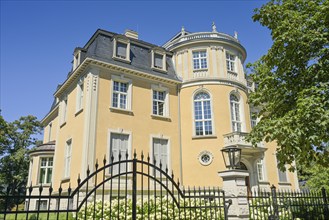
{"x": 160, "y": 137}
{"x": 67, "y": 159}
{"x": 76, "y": 60}
{"x": 160, "y": 88}
{"x": 281, "y": 173}
{"x": 203, "y": 120}
{"x": 115, "y": 47}
{"x": 119, "y": 132}
{"x": 121, "y": 79}
{"x": 230, "y": 61}
{"x": 64, "y": 108}
{"x": 199, "y": 59}
{"x": 236, "y": 124}
{"x": 50, "y": 126}
{"x": 260, "y": 167}
{"x": 205, "y": 154}
{"x": 80, "y": 94}
{"x": 164, "y": 57}
{"x": 47, "y": 167}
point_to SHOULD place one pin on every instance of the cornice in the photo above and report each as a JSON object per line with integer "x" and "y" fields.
{"x": 89, "y": 61}
{"x": 214, "y": 81}
{"x": 46, "y": 119}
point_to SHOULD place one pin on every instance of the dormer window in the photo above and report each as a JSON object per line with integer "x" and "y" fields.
{"x": 159, "y": 60}
{"x": 121, "y": 49}
{"x": 76, "y": 60}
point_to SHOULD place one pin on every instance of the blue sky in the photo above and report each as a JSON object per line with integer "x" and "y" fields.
{"x": 38, "y": 38}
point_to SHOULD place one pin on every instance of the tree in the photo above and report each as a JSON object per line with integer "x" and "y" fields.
{"x": 293, "y": 81}
{"x": 16, "y": 139}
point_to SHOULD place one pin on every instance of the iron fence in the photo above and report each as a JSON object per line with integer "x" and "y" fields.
{"x": 126, "y": 188}
{"x": 288, "y": 205}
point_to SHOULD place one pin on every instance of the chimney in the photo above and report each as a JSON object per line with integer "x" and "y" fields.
{"x": 131, "y": 34}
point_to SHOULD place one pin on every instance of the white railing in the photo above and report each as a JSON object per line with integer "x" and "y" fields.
{"x": 238, "y": 139}
{"x": 232, "y": 75}
{"x": 200, "y": 73}
{"x": 201, "y": 35}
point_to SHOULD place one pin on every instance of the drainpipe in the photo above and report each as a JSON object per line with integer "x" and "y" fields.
{"x": 180, "y": 136}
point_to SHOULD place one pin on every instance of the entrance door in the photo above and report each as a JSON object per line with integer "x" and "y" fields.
{"x": 244, "y": 167}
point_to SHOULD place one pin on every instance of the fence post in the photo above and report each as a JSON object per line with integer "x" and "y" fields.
{"x": 275, "y": 204}
{"x": 134, "y": 188}
{"x": 325, "y": 203}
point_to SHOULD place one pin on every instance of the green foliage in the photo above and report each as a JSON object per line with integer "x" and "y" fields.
{"x": 152, "y": 208}
{"x": 289, "y": 206}
{"x": 293, "y": 81}
{"x": 16, "y": 138}
{"x": 315, "y": 176}
{"x": 42, "y": 216}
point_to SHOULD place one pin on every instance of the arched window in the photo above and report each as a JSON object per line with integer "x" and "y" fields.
{"x": 235, "y": 113}
{"x": 202, "y": 114}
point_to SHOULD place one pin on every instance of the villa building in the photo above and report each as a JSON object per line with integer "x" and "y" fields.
{"x": 180, "y": 103}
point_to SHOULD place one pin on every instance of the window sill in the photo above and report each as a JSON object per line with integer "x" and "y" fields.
{"x": 284, "y": 184}
{"x": 121, "y": 59}
{"x": 159, "y": 117}
{"x": 122, "y": 111}
{"x": 204, "y": 136}
{"x": 264, "y": 182}
{"x": 65, "y": 180}
{"x": 78, "y": 112}
{"x": 232, "y": 72}
{"x": 43, "y": 184}
{"x": 199, "y": 70}
{"x": 159, "y": 70}
{"x": 63, "y": 124}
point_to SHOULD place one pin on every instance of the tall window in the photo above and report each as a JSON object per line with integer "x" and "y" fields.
{"x": 68, "y": 156}
{"x": 230, "y": 62}
{"x": 199, "y": 60}
{"x": 202, "y": 114}
{"x": 49, "y": 131}
{"x": 160, "y": 153}
{"x": 64, "y": 110}
{"x": 253, "y": 119}
{"x": 282, "y": 176}
{"x": 260, "y": 170}
{"x": 46, "y": 170}
{"x": 159, "y": 102}
{"x": 119, "y": 145}
{"x": 79, "y": 95}
{"x": 235, "y": 113}
{"x": 120, "y": 93}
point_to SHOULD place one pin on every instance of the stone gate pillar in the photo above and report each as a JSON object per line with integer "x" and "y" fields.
{"x": 234, "y": 185}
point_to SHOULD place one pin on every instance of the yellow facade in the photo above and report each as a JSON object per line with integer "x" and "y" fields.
{"x": 112, "y": 97}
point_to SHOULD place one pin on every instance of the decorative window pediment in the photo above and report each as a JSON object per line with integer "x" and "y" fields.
{"x": 121, "y": 48}
{"x": 159, "y": 59}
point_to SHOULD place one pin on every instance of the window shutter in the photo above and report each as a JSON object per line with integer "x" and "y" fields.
{"x": 121, "y": 50}
{"x": 158, "y": 60}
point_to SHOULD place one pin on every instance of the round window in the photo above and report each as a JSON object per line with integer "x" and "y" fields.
{"x": 205, "y": 158}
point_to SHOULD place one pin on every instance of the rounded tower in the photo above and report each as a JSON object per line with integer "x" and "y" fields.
{"x": 213, "y": 103}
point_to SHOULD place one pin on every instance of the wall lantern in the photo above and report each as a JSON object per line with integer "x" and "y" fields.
{"x": 232, "y": 157}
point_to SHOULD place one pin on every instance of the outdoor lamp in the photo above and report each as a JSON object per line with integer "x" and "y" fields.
{"x": 232, "y": 157}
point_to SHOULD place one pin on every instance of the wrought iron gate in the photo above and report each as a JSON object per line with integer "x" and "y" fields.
{"x": 126, "y": 188}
